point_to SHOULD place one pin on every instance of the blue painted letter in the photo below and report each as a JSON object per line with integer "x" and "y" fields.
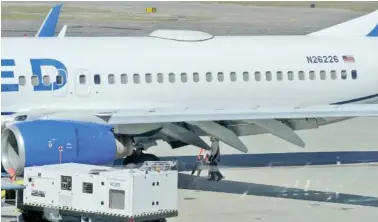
{"x": 8, "y": 74}
{"x": 36, "y": 65}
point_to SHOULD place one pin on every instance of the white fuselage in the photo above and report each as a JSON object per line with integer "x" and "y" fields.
{"x": 222, "y": 71}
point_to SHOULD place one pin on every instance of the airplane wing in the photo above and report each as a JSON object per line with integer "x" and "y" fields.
{"x": 253, "y": 113}
{"x": 48, "y": 26}
{"x": 209, "y": 120}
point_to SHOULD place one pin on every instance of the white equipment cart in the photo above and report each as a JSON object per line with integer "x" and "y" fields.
{"x": 80, "y": 192}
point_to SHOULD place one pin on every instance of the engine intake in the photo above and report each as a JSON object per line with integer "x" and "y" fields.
{"x": 42, "y": 142}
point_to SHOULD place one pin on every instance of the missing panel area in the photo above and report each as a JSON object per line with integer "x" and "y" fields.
{"x": 117, "y": 199}
{"x": 66, "y": 183}
{"x": 88, "y": 188}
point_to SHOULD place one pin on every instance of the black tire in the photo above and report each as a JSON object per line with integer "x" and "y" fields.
{"x": 139, "y": 159}
{"x": 32, "y": 216}
{"x": 149, "y": 157}
{"x": 132, "y": 159}
{"x": 10, "y": 196}
{"x": 159, "y": 220}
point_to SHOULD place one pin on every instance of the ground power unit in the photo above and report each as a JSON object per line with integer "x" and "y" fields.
{"x": 143, "y": 193}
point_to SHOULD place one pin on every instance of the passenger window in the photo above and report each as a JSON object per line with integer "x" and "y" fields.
{"x": 184, "y": 77}
{"x": 344, "y": 74}
{"x": 123, "y": 78}
{"x": 233, "y": 76}
{"x": 333, "y": 74}
{"x": 245, "y": 76}
{"x": 290, "y": 76}
{"x": 34, "y": 80}
{"x": 209, "y": 77}
{"x": 195, "y": 77}
{"x": 257, "y": 76}
{"x": 279, "y": 76}
{"x": 59, "y": 80}
{"x": 160, "y": 77}
{"x": 82, "y": 79}
{"x": 268, "y": 76}
{"x": 111, "y": 79}
{"x": 171, "y": 77}
{"x": 301, "y": 75}
{"x": 46, "y": 80}
{"x": 148, "y": 78}
{"x": 22, "y": 80}
{"x": 220, "y": 77}
{"x": 97, "y": 79}
{"x": 354, "y": 74}
{"x": 136, "y": 78}
{"x": 312, "y": 75}
{"x": 323, "y": 75}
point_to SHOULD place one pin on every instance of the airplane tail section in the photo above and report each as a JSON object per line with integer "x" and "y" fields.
{"x": 366, "y": 25}
{"x": 48, "y": 26}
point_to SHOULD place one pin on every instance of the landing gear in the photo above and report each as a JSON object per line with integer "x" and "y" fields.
{"x": 138, "y": 157}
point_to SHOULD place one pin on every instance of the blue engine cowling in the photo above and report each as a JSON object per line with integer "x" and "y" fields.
{"x": 42, "y": 142}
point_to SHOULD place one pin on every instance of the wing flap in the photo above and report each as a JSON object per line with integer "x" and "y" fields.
{"x": 222, "y": 133}
{"x": 280, "y": 130}
{"x": 184, "y": 135}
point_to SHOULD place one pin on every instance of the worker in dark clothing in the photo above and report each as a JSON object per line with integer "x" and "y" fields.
{"x": 214, "y": 159}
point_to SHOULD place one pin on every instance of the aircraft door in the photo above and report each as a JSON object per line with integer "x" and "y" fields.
{"x": 82, "y": 85}
{"x": 60, "y": 83}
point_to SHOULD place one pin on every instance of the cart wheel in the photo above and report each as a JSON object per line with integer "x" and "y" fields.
{"x": 32, "y": 216}
{"x": 159, "y": 220}
{"x": 10, "y": 196}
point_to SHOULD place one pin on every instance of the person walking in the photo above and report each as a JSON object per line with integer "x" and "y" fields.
{"x": 214, "y": 160}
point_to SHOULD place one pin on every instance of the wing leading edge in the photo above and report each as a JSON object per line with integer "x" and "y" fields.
{"x": 254, "y": 113}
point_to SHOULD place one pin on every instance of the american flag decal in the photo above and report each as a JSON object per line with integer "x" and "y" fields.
{"x": 348, "y": 58}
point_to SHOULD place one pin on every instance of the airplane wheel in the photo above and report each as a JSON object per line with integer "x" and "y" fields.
{"x": 149, "y": 157}
{"x": 138, "y": 159}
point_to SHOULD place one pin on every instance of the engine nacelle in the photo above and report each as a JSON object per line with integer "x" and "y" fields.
{"x": 42, "y": 142}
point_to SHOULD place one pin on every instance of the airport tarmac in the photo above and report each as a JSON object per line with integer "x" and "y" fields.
{"x": 131, "y": 19}
{"x": 345, "y": 193}
{"x": 312, "y": 193}
{"x": 324, "y": 193}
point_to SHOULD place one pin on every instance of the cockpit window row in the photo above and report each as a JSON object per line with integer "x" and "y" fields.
{"x": 209, "y": 77}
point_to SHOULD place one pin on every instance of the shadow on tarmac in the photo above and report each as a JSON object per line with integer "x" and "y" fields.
{"x": 243, "y": 188}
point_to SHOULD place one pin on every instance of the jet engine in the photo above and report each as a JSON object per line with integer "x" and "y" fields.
{"x": 42, "y": 142}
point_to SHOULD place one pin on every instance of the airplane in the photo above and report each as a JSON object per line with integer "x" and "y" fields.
{"x": 48, "y": 27}
{"x": 97, "y": 99}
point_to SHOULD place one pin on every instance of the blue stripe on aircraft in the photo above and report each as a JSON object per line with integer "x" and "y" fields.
{"x": 7, "y": 113}
{"x": 7, "y": 62}
{"x": 356, "y": 100}
{"x": 374, "y": 32}
{"x": 7, "y": 74}
{"x": 9, "y": 88}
